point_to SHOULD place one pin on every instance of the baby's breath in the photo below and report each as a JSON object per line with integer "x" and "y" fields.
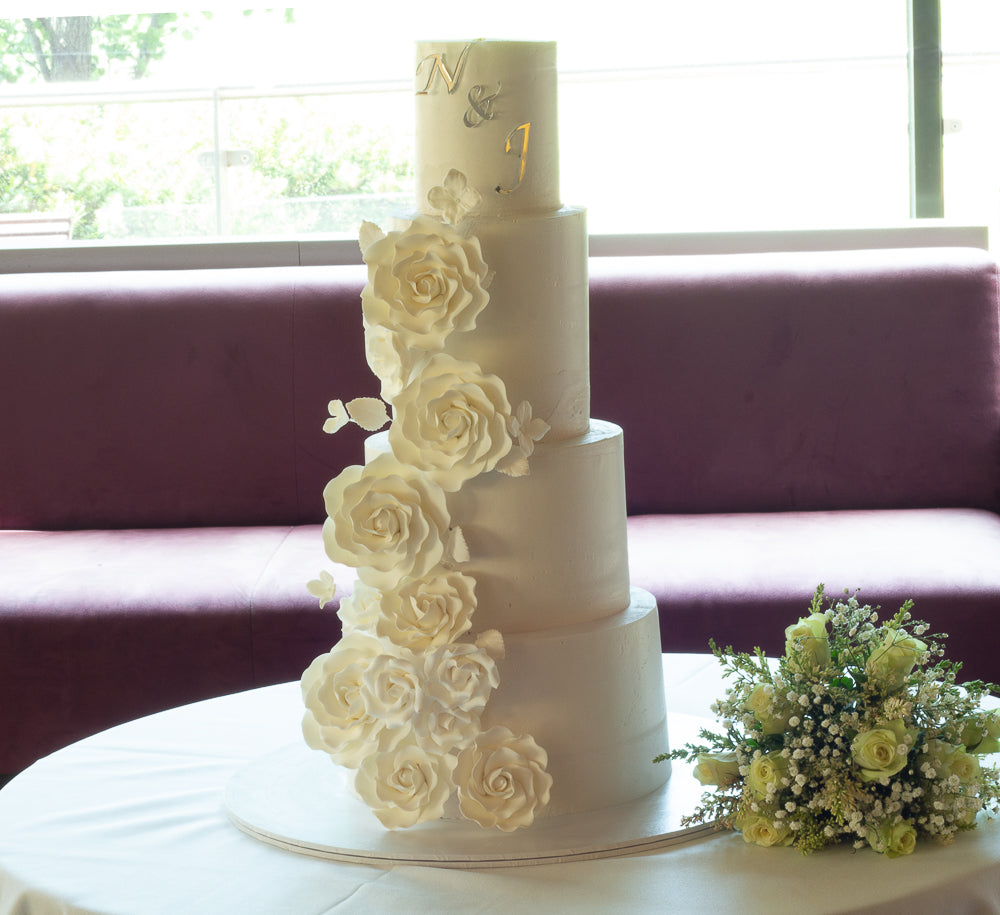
{"x": 865, "y": 733}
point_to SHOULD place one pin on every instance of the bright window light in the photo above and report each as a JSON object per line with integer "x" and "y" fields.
{"x": 716, "y": 116}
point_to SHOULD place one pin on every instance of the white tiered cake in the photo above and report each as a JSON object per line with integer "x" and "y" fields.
{"x": 495, "y": 664}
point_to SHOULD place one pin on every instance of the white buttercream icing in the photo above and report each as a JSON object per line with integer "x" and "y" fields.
{"x": 592, "y": 695}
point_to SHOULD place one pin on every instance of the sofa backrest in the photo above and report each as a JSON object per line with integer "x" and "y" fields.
{"x": 743, "y": 383}
{"x": 801, "y": 381}
{"x": 189, "y": 397}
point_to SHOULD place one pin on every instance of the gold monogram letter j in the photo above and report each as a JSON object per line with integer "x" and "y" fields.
{"x": 522, "y": 154}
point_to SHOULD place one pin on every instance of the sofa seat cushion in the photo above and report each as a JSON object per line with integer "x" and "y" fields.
{"x": 742, "y": 578}
{"x": 103, "y": 626}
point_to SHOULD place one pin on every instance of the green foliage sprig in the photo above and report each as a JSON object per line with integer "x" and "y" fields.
{"x": 859, "y": 733}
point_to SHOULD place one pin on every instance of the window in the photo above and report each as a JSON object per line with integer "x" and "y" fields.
{"x": 970, "y": 85}
{"x": 716, "y": 116}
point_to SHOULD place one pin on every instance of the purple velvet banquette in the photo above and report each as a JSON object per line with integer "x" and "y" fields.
{"x": 790, "y": 420}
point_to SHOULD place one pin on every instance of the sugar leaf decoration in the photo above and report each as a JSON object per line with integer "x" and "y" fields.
{"x": 368, "y": 234}
{"x": 368, "y": 412}
{"x": 338, "y": 417}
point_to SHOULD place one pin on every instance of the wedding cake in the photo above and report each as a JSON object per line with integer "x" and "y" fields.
{"x": 495, "y": 664}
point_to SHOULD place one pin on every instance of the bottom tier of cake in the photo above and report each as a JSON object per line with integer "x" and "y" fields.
{"x": 592, "y": 695}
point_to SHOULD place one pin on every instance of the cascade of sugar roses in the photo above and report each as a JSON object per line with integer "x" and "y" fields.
{"x": 400, "y": 698}
{"x": 859, "y": 733}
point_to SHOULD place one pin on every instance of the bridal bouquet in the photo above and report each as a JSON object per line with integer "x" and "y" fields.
{"x": 859, "y": 733}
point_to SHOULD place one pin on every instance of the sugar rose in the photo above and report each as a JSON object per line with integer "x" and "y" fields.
{"x": 406, "y": 785}
{"x": 447, "y": 728}
{"x": 386, "y": 519}
{"x": 894, "y": 658}
{"x": 391, "y": 689}
{"x": 460, "y": 676}
{"x": 502, "y": 780}
{"x": 360, "y": 609}
{"x": 336, "y": 720}
{"x": 720, "y": 769}
{"x": 426, "y": 613}
{"x": 424, "y": 282}
{"x": 807, "y": 645}
{"x": 882, "y": 752}
{"x": 451, "y": 421}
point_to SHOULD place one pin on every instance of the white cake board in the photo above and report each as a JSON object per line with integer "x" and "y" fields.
{"x": 297, "y": 799}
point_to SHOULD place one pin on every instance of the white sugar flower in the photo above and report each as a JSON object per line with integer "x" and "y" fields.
{"x": 336, "y": 719}
{"x": 451, "y": 421}
{"x": 390, "y": 358}
{"x": 502, "y": 780}
{"x": 525, "y": 430}
{"x": 323, "y": 587}
{"x": 426, "y": 613}
{"x": 360, "y": 609}
{"x": 406, "y": 785}
{"x": 460, "y": 675}
{"x": 424, "y": 282}
{"x": 386, "y": 519}
{"x": 391, "y": 689}
{"x": 454, "y": 198}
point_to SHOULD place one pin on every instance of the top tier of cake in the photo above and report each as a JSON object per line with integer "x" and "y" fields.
{"x": 489, "y": 109}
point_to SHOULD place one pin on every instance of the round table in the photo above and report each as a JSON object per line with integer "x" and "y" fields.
{"x": 132, "y": 821}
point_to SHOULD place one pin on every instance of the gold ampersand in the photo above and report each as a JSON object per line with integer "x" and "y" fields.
{"x": 439, "y": 66}
{"x": 522, "y": 154}
{"x": 482, "y": 106}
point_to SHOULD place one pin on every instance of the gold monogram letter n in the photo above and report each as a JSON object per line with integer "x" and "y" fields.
{"x": 438, "y": 66}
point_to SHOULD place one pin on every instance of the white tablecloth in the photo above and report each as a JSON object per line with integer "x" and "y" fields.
{"x": 132, "y": 821}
